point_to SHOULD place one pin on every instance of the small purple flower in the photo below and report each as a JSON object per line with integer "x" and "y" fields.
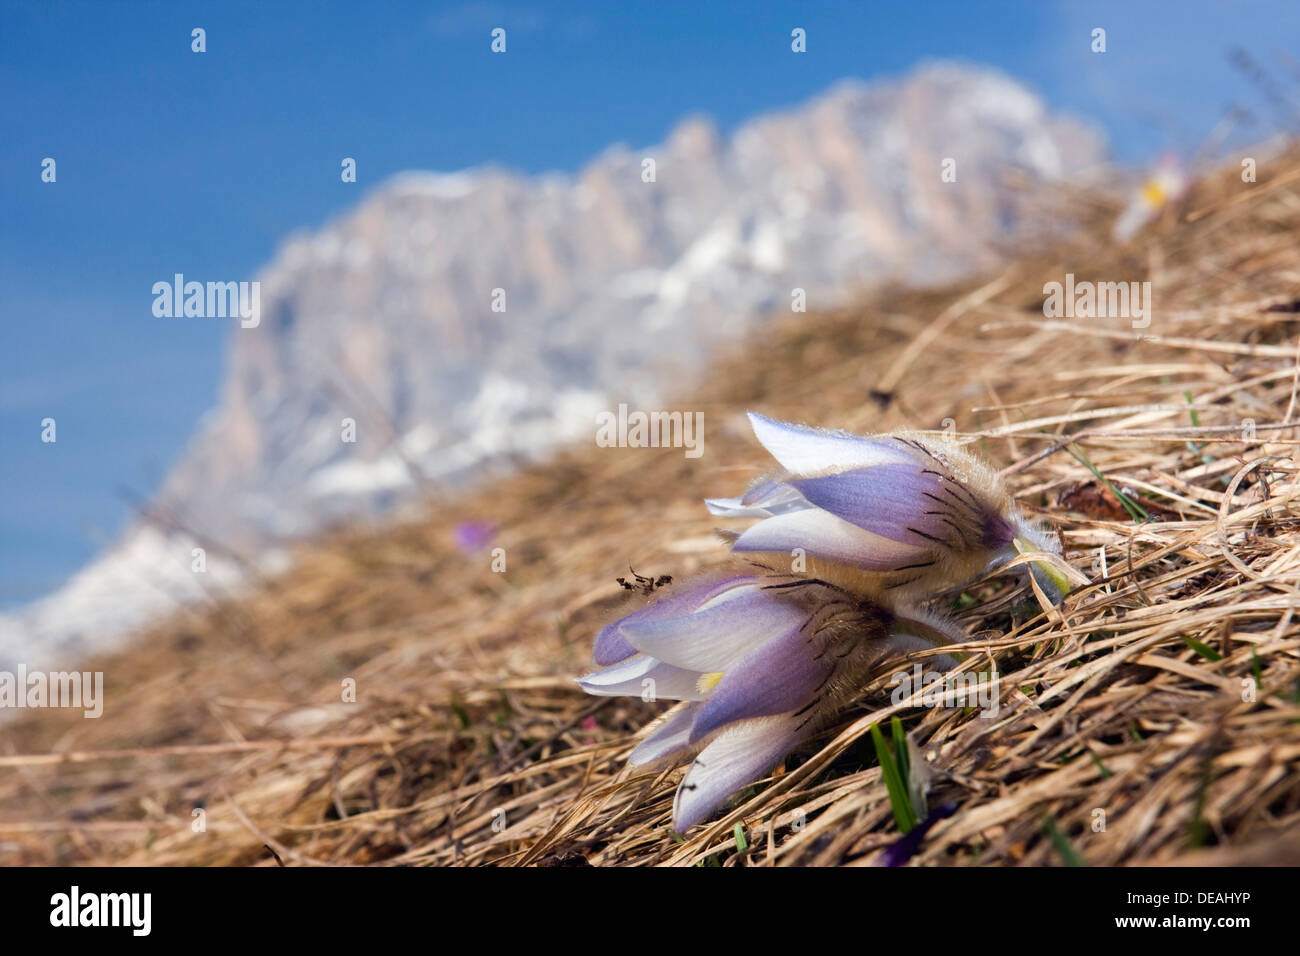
{"x": 894, "y": 517}
{"x": 763, "y": 662}
{"x": 472, "y": 537}
{"x": 905, "y": 847}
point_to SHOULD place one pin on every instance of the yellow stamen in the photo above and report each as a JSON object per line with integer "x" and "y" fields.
{"x": 707, "y": 682}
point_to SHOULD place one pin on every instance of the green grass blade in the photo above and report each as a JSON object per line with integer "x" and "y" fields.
{"x": 1062, "y": 845}
{"x": 742, "y": 844}
{"x": 894, "y": 783}
{"x": 1135, "y": 510}
{"x": 1209, "y": 653}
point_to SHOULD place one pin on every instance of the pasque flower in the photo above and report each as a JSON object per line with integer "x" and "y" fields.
{"x": 895, "y": 517}
{"x": 853, "y": 537}
{"x": 763, "y": 663}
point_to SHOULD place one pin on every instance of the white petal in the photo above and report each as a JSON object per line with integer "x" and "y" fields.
{"x": 734, "y": 508}
{"x": 823, "y": 535}
{"x": 809, "y": 451}
{"x": 738, "y": 756}
{"x": 674, "y": 734}
{"x": 628, "y": 680}
{"x": 763, "y": 500}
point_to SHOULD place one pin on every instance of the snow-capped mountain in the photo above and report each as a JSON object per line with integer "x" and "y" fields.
{"x": 467, "y": 321}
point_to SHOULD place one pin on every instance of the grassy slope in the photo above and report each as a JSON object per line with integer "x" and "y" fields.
{"x": 466, "y": 714}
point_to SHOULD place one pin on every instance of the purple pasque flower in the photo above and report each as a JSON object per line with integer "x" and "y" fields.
{"x": 905, "y": 847}
{"x": 472, "y": 537}
{"x": 894, "y": 517}
{"x": 762, "y": 662}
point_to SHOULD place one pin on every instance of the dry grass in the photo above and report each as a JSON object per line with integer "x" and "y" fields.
{"x": 1130, "y": 701}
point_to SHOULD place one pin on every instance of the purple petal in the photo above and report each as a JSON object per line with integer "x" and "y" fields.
{"x": 806, "y": 451}
{"x": 822, "y": 535}
{"x": 998, "y": 532}
{"x": 723, "y": 631}
{"x": 739, "y": 755}
{"x": 900, "y": 502}
{"x": 782, "y": 676}
{"x": 672, "y": 737}
{"x": 904, "y": 848}
{"x": 611, "y": 646}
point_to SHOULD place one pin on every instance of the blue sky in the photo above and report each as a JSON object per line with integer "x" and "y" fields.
{"x": 171, "y": 161}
